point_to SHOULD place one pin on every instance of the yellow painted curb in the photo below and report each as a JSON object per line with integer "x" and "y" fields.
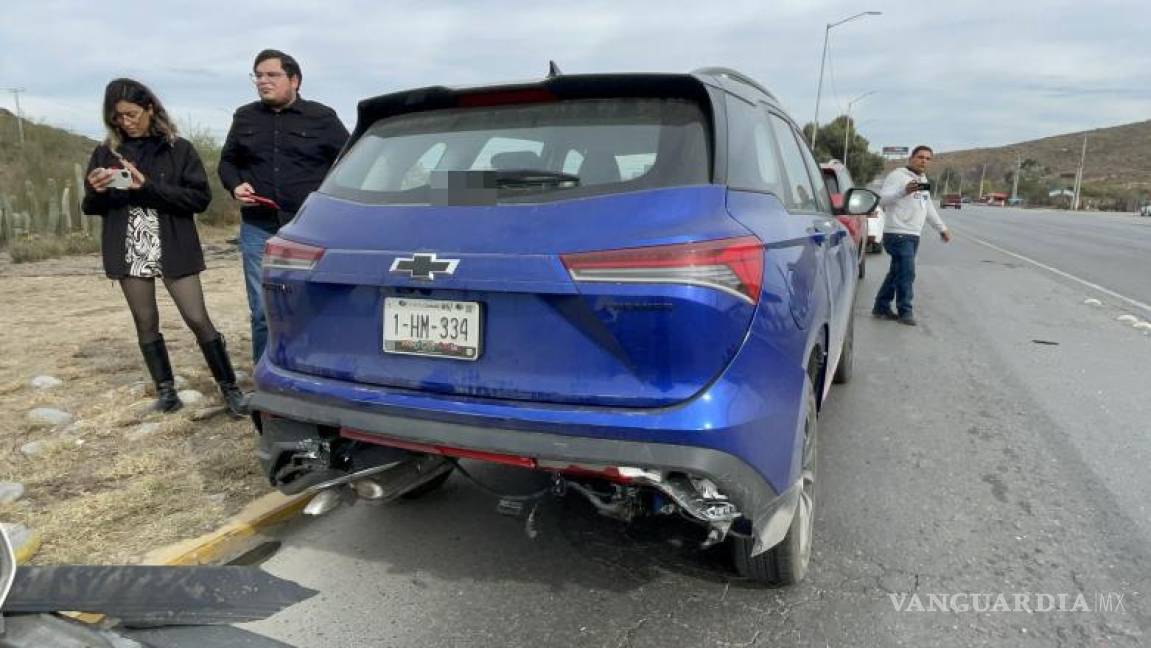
{"x": 226, "y": 541}
{"x": 31, "y": 545}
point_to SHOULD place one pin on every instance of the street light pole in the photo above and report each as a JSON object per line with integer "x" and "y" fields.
{"x": 847, "y": 129}
{"x": 981, "y": 177}
{"x": 823, "y": 62}
{"x": 1079, "y": 176}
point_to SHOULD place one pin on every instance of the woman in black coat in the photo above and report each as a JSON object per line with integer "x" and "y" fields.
{"x": 148, "y": 183}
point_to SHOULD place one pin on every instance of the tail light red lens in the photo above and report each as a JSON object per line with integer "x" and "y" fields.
{"x": 733, "y": 265}
{"x": 290, "y": 255}
{"x": 506, "y": 97}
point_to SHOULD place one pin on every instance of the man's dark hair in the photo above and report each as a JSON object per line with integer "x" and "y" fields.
{"x": 291, "y": 67}
{"x": 914, "y": 151}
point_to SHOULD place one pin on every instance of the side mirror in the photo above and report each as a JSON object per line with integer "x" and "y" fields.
{"x": 860, "y": 201}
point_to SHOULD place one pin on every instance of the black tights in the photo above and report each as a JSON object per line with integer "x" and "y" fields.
{"x": 189, "y": 298}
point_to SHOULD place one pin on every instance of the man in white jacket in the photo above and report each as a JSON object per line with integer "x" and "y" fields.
{"x": 907, "y": 204}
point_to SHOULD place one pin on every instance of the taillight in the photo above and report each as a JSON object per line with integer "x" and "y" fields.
{"x": 290, "y": 255}
{"x": 505, "y": 97}
{"x": 733, "y": 265}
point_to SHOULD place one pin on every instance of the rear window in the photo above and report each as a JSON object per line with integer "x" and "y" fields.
{"x": 576, "y": 149}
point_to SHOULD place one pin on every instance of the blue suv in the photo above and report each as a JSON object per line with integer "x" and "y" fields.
{"x": 635, "y": 282}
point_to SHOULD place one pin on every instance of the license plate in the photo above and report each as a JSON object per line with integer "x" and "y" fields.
{"x": 432, "y": 327}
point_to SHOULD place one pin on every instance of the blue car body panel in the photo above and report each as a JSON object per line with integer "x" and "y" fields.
{"x": 664, "y": 363}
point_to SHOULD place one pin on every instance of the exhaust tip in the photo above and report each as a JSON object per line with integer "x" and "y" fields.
{"x": 323, "y": 502}
{"x": 368, "y": 489}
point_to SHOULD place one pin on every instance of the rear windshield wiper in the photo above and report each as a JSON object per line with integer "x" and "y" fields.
{"x": 524, "y": 178}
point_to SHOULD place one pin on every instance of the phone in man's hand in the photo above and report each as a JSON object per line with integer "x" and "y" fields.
{"x": 924, "y": 186}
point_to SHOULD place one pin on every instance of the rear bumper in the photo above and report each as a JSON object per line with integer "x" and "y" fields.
{"x": 770, "y": 511}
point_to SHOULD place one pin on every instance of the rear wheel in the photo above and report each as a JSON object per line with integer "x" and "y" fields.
{"x": 786, "y": 563}
{"x": 873, "y": 247}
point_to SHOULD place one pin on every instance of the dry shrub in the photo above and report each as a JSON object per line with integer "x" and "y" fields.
{"x": 38, "y": 248}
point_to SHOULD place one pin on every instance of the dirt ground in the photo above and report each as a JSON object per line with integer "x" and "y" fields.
{"x": 95, "y": 494}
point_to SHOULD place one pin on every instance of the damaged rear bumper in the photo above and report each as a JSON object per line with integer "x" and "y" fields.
{"x": 289, "y": 420}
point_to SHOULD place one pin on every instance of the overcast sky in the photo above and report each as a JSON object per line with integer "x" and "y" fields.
{"x": 955, "y": 75}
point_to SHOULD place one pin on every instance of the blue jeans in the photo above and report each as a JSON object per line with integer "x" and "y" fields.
{"x": 252, "y": 239}
{"x": 900, "y": 274}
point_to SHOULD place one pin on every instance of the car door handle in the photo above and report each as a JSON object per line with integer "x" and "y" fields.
{"x": 818, "y": 232}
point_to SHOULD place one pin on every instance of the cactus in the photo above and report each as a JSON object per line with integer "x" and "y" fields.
{"x": 11, "y": 219}
{"x": 66, "y": 225}
{"x": 78, "y": 172}
{"x": 33, "y": 207}
{"x": 53, "y": 223}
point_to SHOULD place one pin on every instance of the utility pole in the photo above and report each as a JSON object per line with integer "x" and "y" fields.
{"x": 1079, "y": 176}
{"x": 847, "y": 129}
{"x": 981, "y": 177}
{"x": 19, "y": 115}
{"x": 1015, "y": 180}
{"x": 947, "y": 181}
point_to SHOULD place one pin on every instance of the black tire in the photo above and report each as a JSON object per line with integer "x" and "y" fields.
{"x": 787, "y": 562}
{"x": 846, "y": 364}
{"x": 873, "y": 247}
{"x": 428, "y": 487}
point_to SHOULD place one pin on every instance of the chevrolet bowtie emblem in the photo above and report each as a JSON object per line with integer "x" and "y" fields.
{"x": 424, "y": 266}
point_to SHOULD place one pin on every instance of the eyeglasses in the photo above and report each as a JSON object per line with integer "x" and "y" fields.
{"x": 130, "y": 116}
{"x": 256, "y": 77}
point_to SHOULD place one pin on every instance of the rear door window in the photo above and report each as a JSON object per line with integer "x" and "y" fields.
{"x": 752, "y": 163}
{"x": 569, "y": 149}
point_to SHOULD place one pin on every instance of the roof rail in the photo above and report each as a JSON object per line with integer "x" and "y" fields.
{"x": 734, "y": 76}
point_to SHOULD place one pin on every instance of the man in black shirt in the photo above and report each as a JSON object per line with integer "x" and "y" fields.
{"x": 277, "y": 152}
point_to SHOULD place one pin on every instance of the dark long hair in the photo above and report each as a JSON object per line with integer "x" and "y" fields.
{"x": 137, "y": 93}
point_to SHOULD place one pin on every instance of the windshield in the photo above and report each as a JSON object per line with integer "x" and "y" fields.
{"x": 530, "y": 153}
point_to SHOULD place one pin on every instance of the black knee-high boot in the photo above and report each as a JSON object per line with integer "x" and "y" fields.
{"x": 216, "y": 355}
{"x": 160, "y": 368}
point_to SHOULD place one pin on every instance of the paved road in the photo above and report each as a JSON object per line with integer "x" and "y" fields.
{"x": 1001, "y": 447}
{"x": 1111, "y": 250}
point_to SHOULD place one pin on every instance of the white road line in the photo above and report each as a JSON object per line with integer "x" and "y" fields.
{"x": 1111, "y": 293}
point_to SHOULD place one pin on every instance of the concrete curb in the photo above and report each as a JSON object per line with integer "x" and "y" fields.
{"x": 234, "y": 537}
{"x": 28, "y": 547}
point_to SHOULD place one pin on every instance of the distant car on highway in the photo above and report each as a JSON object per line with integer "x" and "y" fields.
{"x": 951, "y": 200}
